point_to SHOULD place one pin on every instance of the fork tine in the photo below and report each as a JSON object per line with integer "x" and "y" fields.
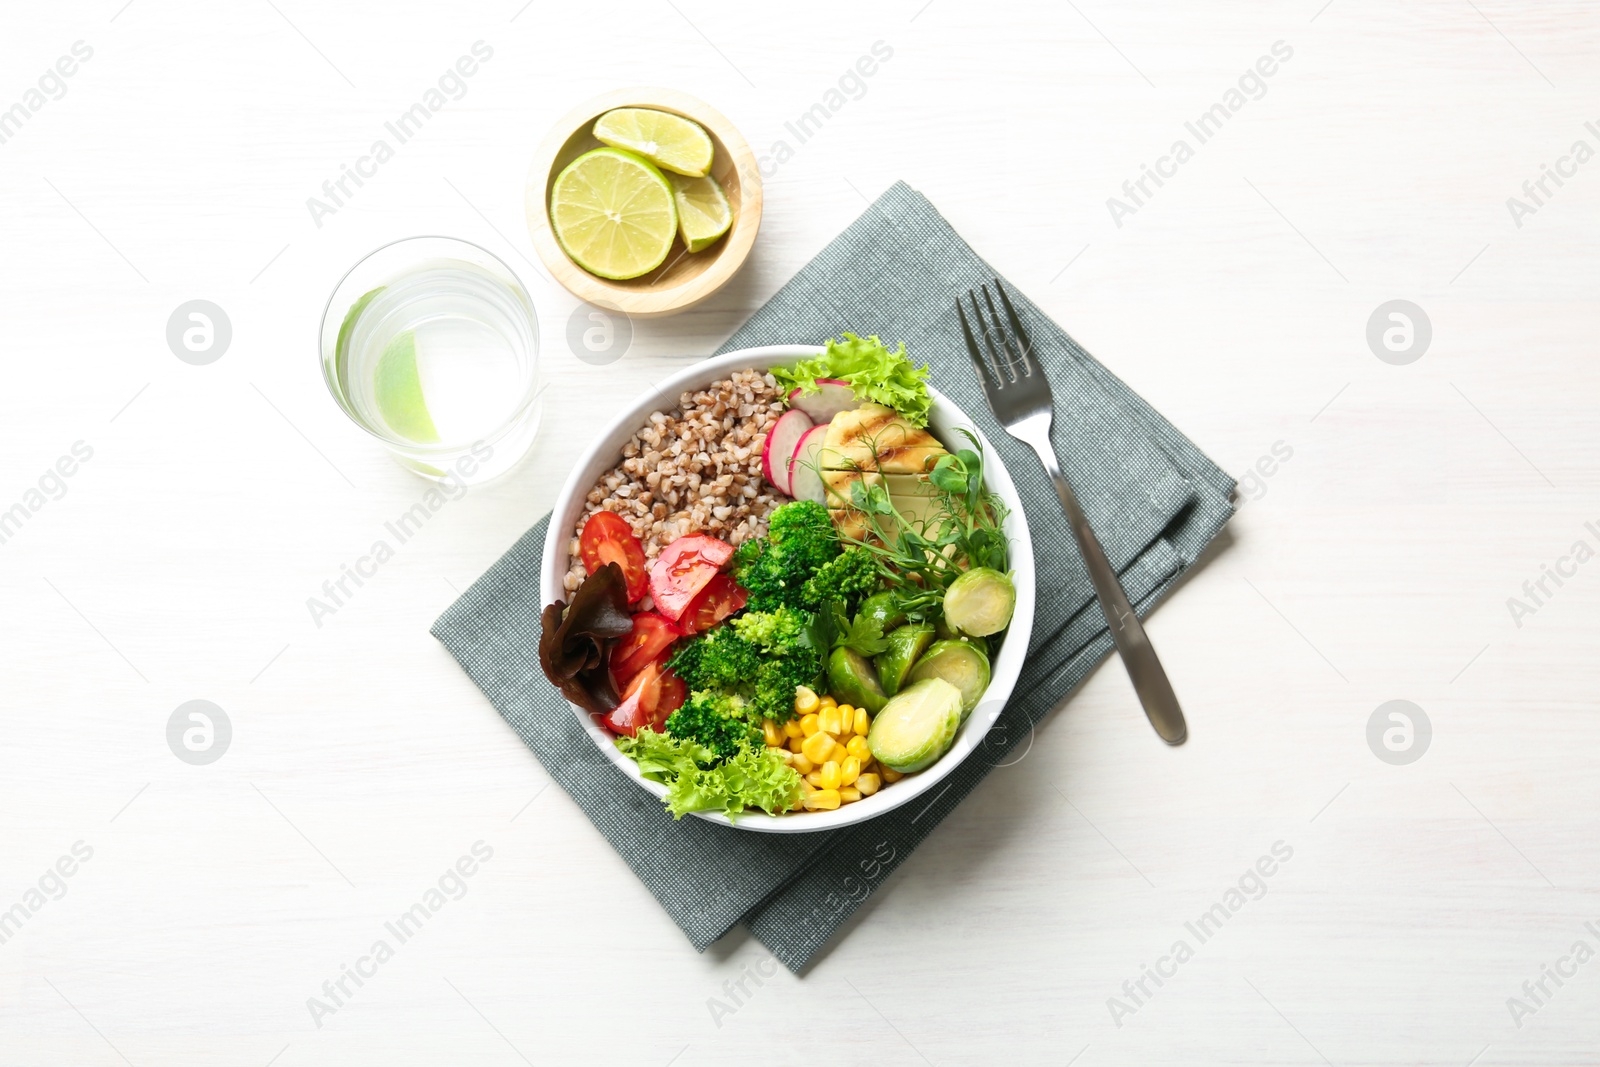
{"x": 997, "y": 354}
{"x": 1023, "y": 342}
{"x": 1016, "y": 360}
{"x": 979, "y": 363}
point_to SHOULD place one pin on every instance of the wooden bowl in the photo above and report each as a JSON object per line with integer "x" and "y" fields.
{"x": 683, "y": 279}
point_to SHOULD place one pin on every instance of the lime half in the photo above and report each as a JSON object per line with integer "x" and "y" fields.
{"x": 398, "y": 391}
{"x": 703, "y": 211}
{"x": 669, "y": 141}
{"x": 612, "y": 211}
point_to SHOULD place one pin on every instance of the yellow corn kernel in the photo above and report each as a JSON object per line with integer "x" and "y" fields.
{"x": 857, "y": 747}
{"x": 805, "y": 699}
{"x": 818, "y": 748}
{"x": 809, "y": 724}
{"x": 846, "y": 728}
{"x": 796, "y": 744}
{"x": 773, "y": 734}
{"x": 822, "y": 800}
{"x": 867, "y": 784}
{"x": 830, "y": 775}
{"x": 792, "y": 729}
{"x": 828, "y": 701}
{"x": 863, "y": 722}
{"x": 815, "y": 778}
{"x": 828, "y": 720}
{"x": 849, "y": 770}
{"x": 891, "y": 775}
{"x": 848, "y": 795}
{"x": 838, "y": 753}
{"x": 801, "y": 764}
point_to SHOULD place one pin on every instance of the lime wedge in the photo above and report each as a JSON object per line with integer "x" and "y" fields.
{"x": 341, "y": 351}
{"x": 398, "y": 391}
{"x": 670, "y": 142}
{"x": 612, "y": 211}
{"x": 703, "y": 211}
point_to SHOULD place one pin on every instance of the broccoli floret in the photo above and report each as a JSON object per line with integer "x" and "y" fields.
{"x": 720, "y": 659}
{"x": 777, "y": 678}
{"x": 786, "y": 660}
{"x": 774, "y": 632}
{"x": 802, "y": 519}
{"x": 717, "y": 720}
{"x": 850, "y": 577}
{"x": 800, "y": 540}
{"x": 761, "y": 656}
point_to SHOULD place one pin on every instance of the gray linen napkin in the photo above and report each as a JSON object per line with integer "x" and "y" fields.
{"x": 1154, "y": 498}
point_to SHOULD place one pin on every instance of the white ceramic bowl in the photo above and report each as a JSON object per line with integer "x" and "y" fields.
{"x": 946, "y": 422}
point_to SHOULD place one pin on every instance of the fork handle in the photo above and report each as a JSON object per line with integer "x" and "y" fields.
{"x": 1133, "y": 644}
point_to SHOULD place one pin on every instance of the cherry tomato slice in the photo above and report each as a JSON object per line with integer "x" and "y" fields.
{"x": 650, "y": 638}
{"x": 607, "y": 538}
{"x": 651, "y": 697}
{"x": 720, "y": 598}
{"x": 683, "y": 569}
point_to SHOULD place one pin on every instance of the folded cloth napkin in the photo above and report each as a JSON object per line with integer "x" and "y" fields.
{"x": 1154, "y": 498}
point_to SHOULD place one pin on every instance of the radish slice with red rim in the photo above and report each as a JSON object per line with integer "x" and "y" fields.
{"x": 782, "y": 440}
{"x": 805, "y": 474}
{"x": 831, "y": 397}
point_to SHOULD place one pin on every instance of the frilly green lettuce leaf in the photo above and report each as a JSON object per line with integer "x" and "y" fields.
{"x": 873, "y": 371}
{"x": 756, "y": 777}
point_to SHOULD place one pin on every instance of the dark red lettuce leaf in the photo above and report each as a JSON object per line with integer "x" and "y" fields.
{"x": 575, "y": 642}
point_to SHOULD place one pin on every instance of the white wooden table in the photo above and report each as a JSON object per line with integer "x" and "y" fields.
{"x": 1374, "y": 564}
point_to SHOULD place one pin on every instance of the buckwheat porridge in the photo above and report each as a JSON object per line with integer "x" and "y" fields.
{"x": 693, "y": 469}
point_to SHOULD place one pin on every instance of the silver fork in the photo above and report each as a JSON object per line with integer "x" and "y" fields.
{"x": 1019, "y": 395}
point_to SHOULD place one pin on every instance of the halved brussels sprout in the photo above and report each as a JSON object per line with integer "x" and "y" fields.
{"x": 906, "y": 646}
{"x": 961, "y": 664}
{"x": 916, "y": 726}
{"x": 853, "y": 680}
{"x": 980, "y": 602}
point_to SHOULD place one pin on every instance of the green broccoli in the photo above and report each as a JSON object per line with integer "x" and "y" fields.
{"x": 759, "y": 656}
{"x": 717, "y": 720}
{"x": 776, "y": 680}
{"x": 720, "y": 659}
{"x": 774, "y": 632}
{"x": 800, "y": 540}
{"x": 850, "y": 577}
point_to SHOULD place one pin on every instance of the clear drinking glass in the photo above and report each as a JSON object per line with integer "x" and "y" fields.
{"x": 431, "y": 345}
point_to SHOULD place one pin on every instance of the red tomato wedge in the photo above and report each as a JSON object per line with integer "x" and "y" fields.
{"x": 607, "y": 538}
{"x": 651, "y": 697}
{"x": 720, "y": 598}
{"x": 683, "y": 569}
{"x": 652, "y": 635}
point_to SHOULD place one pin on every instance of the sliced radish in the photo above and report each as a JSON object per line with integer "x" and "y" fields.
{"x": 833, "y": 397}
{"x": 805, "y": 469}
{"x": 781, "y": 441}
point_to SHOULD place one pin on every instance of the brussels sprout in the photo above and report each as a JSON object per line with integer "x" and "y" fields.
{"x": 980, "y": 602}
{"x": 852, "y": 680}
{"x": 906, "y": 645}
{"x": 916, "y": 726}
{"x": 885, "y": 608}
{"x": 945, "y": 632}
{"x": 961, "y": 664}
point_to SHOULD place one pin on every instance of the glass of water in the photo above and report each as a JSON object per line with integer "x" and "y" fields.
{"x": 431, "y": 345}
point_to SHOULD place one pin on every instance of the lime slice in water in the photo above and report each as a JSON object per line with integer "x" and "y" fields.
{"x": 669, "y": 141}
{"x": 703, "y": 212}
{"x": 341, "y": 350}
{"x": 398, "y": 391}
{"x": 612, "y": 211}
